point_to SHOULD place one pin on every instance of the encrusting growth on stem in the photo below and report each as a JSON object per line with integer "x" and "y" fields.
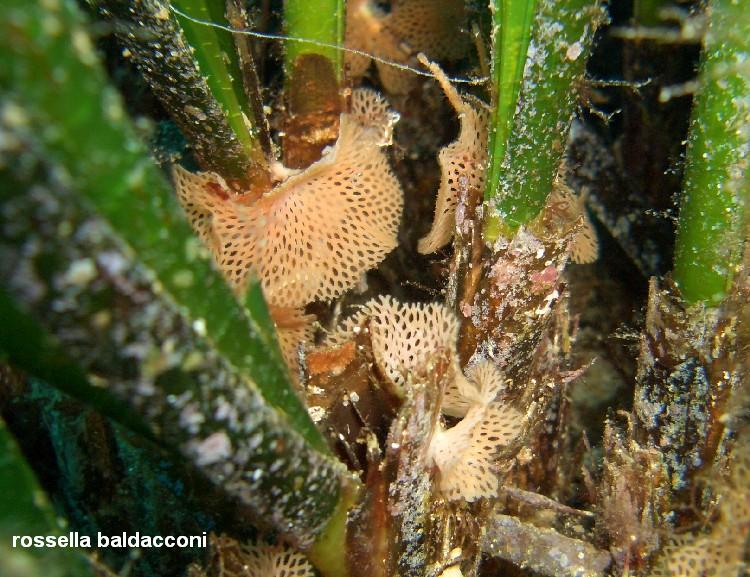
{"x": 720, "y": 552}
{"x": 231, "y": 558}
{"x": 413, "y": 342}
{"x": 412, "y": 26}
{"x": 466, "y": 454}
{"x": 688, "y": 556}
{"x": 314, "y": 234}
{"x": 564, "y": 212}
{"x": 275, "y": 561}
{"x": 463, "y": 163}
{"x": 483, "y": 383}
{"x": 408, "y": 340}
{"x": 318, "y": 231}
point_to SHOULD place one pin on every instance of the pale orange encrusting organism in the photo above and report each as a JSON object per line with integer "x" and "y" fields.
{"x": 466, "y": 454}
{"x": 413, "y": 343}
{"x": 718, "y": 555}
{"x": 481, "y": 385}
{"x": 463, "y": 163}
{"x": 407, "y": 339}
{"x": 315, "y": 234}
{"x": 564, "y": 207}
{"x": 262, "y": 560}
{"x": 412, "y": 26}
{"x": 463, "y": 169}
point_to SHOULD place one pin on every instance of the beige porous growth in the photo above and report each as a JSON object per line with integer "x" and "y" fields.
{"x": 413, "y": 342}
{"x": 466, "y": 455}
{"x": 315, "y": 234}
{"x": 463, "y": 163}
{"x": 565, "y": 212}
{"x": 407, "y": 339}
{"x": 312, "y": 236}
{"x": 481, "y": 385}
{"x": 275, "y": 561}
{"x": 699, "y": 556}
{"x": 412, "y": 26}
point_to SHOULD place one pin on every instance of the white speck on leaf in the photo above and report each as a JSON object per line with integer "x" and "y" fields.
{"x": 213, "y": 449}
{"x": 574, "y": 51}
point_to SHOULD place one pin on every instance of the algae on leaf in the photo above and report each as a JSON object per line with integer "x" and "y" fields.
{"x": 26, "y": 510}
{"x": 75, "y": 124}
{"x": 92, "y": 237}
{"x": 713, "y": 222}
{"x": 523, "y": 169}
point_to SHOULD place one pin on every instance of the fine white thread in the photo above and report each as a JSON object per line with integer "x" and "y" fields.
{"x": 270, "y": 36}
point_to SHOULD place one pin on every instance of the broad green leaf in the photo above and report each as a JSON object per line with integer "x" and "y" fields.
{"x": 716, "y": 188}
{"x": 521, "y": 179}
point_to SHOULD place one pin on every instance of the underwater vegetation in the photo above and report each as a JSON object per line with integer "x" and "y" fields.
{"x": 375, "y": 288}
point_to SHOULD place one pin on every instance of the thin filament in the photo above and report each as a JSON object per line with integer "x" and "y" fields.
{"x": 271, "y": 36}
